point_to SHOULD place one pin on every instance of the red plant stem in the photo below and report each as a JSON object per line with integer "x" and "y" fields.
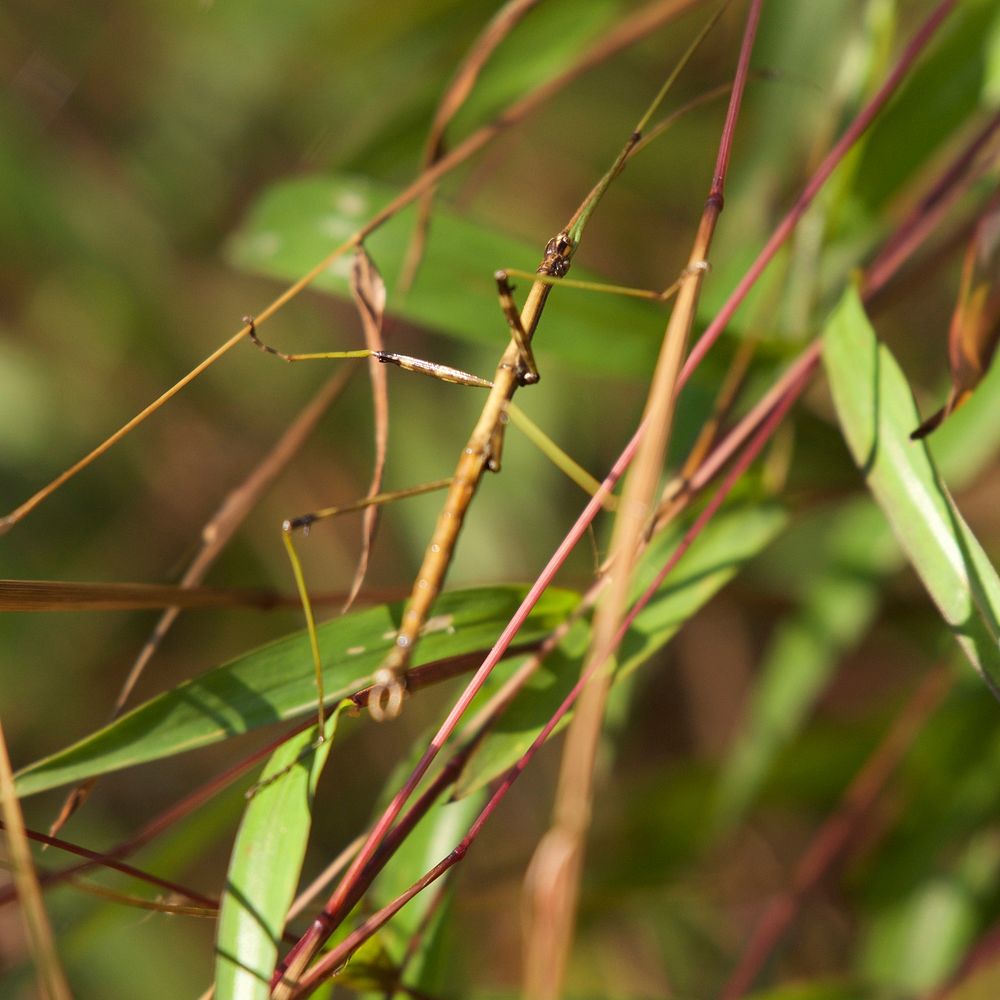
{"x": 834, "y": 836}
{"x": 784, "y": 228}
{"x": 333, "y": 959}
{"x": 313, "y": 939}
{"x": 104, "y": 861}
{"x": 928, "y": 212}
{"x": 448, "y": 775}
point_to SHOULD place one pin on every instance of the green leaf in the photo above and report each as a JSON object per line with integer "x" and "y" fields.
{"x": 727, "y": 543}
{"x": 849, "y": 555}
{"x": 265, "y": 865}
{"x": 297, "y": 223}
{"x": 276, "y": 681}
{"x": 876, "y": 413}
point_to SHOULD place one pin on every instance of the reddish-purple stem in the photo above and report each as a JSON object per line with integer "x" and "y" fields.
{"x": 104, "y": 861}
{"x": 320, "y": 928}
{"x": 784, "y": 228}
{"x": 927, "y": 213}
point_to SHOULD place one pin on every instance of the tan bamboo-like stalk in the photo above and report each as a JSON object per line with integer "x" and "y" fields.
{"x": 554, "y": 876}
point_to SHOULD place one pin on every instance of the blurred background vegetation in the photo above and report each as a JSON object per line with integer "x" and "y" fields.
{"x": 135, "y": 141}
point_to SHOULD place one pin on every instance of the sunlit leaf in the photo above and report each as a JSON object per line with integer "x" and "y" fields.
{"x": 876, "y": 410}
{"x": 265, "y": 864}
{"x": 276, "y": 681}
{"x": 917, "y": 941}
{"x": 297, "y": 222}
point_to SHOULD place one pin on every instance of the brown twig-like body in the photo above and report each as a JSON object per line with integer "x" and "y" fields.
{"x": 480, "y": 453}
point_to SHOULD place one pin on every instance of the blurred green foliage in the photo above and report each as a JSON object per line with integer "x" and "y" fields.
{"x": 139, "y": 144}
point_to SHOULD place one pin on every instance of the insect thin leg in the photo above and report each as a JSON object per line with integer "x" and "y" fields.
{"x": 321, "y": 356}
{"x": 529, "y": 373}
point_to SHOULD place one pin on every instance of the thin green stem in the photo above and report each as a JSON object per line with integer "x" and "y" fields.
{"x": 567, "y": 465}
{"x": 300, "y": 583}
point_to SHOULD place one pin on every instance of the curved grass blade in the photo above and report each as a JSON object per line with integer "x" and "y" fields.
{"x": 724, "y": 547}
{"x": 876, "y": 412}
{"x": 276, "y": 682}
{"x": 265, "y": 865}
{"x": 368, "y": 290}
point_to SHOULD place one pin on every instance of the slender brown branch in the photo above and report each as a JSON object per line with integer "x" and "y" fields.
{"x": 52, "y": 982}
{"x": 456, "y": 93}
{"x": 64, "y": 595}
{"x": 107, "y": 861}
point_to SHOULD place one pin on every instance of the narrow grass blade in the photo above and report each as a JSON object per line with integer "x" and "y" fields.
{"x": 849, "y": 560}
{"x": 265, "y": 865}
{"x": 877, "y": 413}
{"x": 276, "y": 681}
{"x": 41, "y": 941}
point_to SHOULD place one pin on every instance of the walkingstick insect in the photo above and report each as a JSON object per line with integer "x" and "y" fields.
{"x": 482, "y": 452}
{"x": 483, "y": 449}
{"x": 518, "y": 366}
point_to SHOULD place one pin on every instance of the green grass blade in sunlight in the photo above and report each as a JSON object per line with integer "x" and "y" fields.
{"x": 876, "y": 412}
{"x": 730, "y": 540}
{"x": 276, "y": 681}
{"x": 265, "y": 864}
